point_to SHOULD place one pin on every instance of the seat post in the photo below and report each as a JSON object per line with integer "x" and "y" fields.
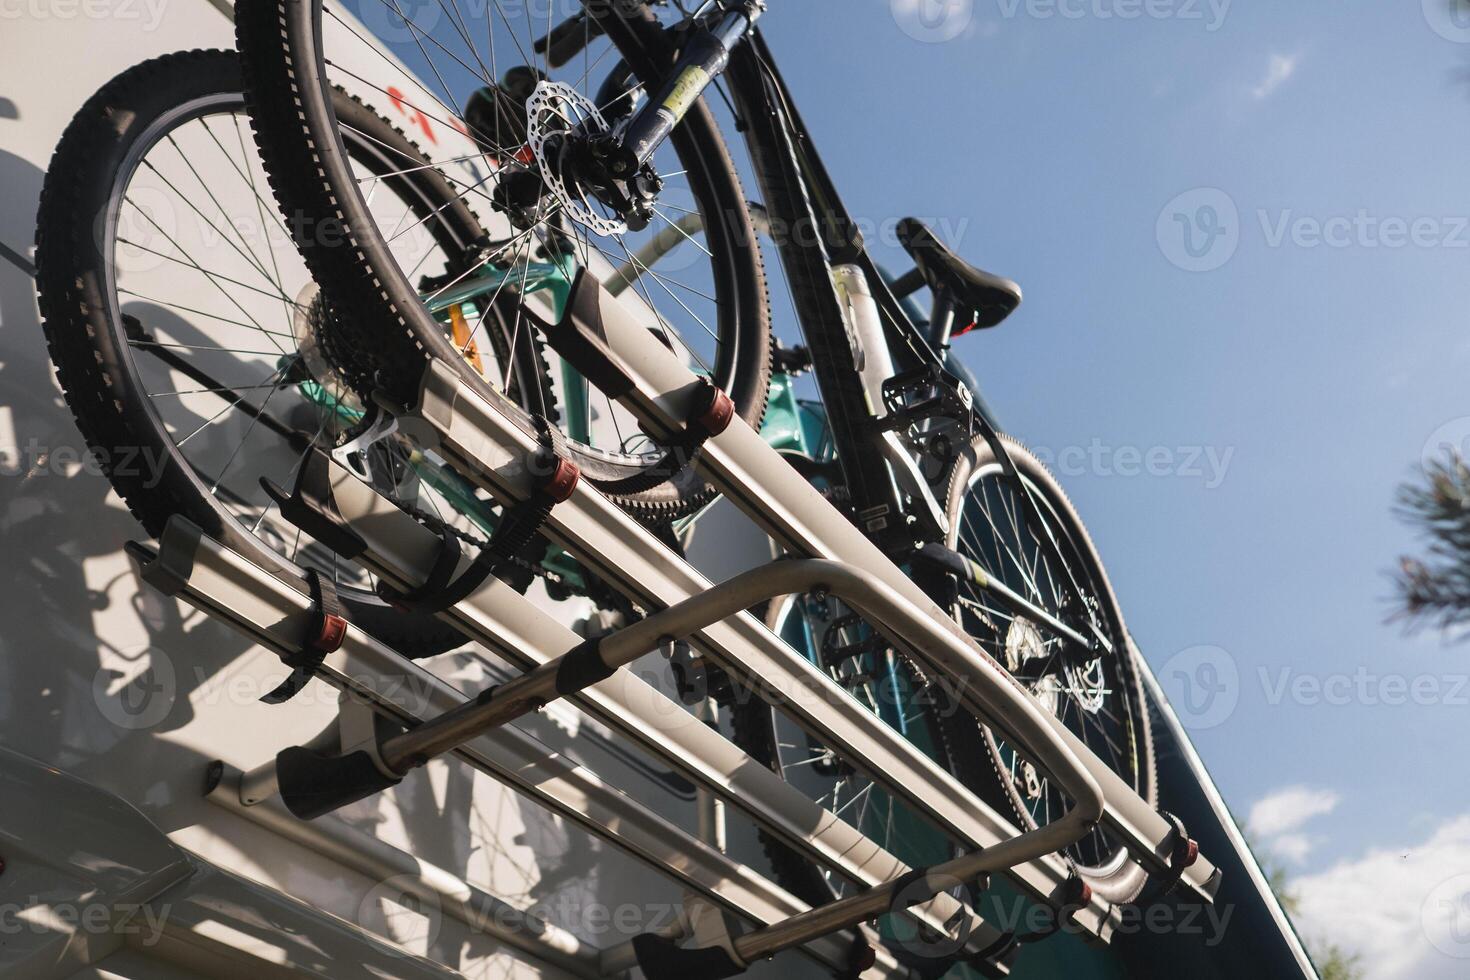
{"x": 941, "y": 322}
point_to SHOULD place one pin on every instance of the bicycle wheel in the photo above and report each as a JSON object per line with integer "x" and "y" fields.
{"x": 1102, "y": 701}
{"x": 706, "y": 299}
{"x": 190, "y": 342}
{"x": 889, "y": 686}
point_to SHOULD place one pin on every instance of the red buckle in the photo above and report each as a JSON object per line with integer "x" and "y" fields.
{"x": 1084, "y": 894}
{"x": 718, "y": 414}
{"x": 562, "y": 482}
{"x": 333, "y": 632}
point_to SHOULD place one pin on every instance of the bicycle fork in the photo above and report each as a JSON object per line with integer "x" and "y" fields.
{"x": 704, "y": 58}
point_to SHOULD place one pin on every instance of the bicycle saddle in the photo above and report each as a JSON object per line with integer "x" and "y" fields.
{"x": 990, "y": 298}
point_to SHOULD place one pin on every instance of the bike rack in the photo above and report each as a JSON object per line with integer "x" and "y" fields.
{"x": 602, "y": 340}
{"x": 401, "y": 552}
{"x": 490, "y": 448}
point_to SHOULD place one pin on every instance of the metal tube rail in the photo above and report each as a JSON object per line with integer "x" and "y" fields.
{"x": 660, "y": 391}
{"x": 1012, "y": 708}
{"x": 400, "y": 551}
{"x": 1007, "y": 705}
{"x": 274, "y": 613}
{"x": 477, "y": 436}
{"x": 373, "y": 858}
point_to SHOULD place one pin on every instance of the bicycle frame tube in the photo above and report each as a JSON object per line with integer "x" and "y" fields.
{"x": 801, "y": 195}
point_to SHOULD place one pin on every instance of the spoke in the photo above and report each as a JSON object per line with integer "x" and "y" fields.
{"x": 249, "y": 180}
{"x": 207, "y": 391}
{"x": 452, "y": 113}
{"x": 1006, "y": 503}
{"x": 642, "y": 292}
{"x": 213, "y": 316}
{"x": 213, "y": 276}
{"x": 201, "y": 270}
{"x": 478, "y": 265}
{"x": 675, "y": 225}
{"x": 457, "y": 22}
{"x": 414, "y": 31}
{"x": 659, "y": 279}
{"x": 439, "y": 210}
{"x": 260, "y": 210}
{"x": 251, "y": 259}
{"x": 409, "y": 170}
{"x": 219, "y": 350}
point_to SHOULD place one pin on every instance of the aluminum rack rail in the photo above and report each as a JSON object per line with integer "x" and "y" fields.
{"x": 402, "y": 552}
{"x": 277, "y": 614}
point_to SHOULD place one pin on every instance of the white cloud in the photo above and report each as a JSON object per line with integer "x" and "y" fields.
{"x": 1278, "y": 72}
{"x": 1288, "y": 809}
{"x": 1294, "y": 847}
{"x": 1406, "y": 910}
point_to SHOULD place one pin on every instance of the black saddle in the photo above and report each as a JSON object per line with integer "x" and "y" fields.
{"x": 974, "y": 292}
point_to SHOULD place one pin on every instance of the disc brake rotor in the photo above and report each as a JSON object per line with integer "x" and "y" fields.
{"x": 557, "y": 110}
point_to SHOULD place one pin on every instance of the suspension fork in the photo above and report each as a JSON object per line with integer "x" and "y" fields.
{"x": 704, "y": 57}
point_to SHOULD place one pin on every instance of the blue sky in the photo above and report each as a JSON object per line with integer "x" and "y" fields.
{"x": 1315, "y": 361}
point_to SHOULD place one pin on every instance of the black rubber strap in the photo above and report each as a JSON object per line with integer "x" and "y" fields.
{"x": 1079, "y": 894}
{"x": 555, "y": 480}
{"x": 311, "y": 506}
{"x": 324, "y": 634}
{"x": 582, "y": 667}
{"x": 1184, "y": 853}
{"x": 445, "y": 565}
